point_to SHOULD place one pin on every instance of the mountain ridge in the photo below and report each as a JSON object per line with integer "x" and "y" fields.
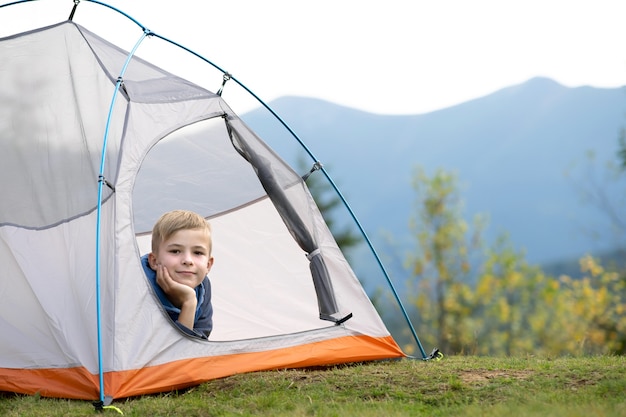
{"x": 510, "y": 149}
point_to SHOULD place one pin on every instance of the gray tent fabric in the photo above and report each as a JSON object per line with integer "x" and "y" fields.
{"x": 170, "y": 146}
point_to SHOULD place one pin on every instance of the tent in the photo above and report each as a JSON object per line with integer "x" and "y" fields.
{"x": 95, "y": 144}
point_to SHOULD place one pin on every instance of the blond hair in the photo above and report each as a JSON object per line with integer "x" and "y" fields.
{"x": 173, "y": 221}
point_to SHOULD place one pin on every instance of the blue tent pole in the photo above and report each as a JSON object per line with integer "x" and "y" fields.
{"x": 352, "y": 214}
{"x": 101, "y": 181}
{"x": 380, "y": 264}
{"x": 334, "y": 186}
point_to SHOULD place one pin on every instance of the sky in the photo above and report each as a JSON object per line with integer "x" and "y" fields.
{"x": 385, "y": 57}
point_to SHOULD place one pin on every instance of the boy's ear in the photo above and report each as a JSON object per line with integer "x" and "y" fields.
{"x": 209, "y": 264}
{"x": 152, "y": 261}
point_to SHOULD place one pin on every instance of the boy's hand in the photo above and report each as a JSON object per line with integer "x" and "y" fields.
{"x": 177, "y": 293}
{"x": 182, "y": 296}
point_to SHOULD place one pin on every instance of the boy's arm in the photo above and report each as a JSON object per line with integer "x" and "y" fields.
{"x": 180, "y": 295}
{"x": 188, "y": 312}
{"x": 203, "y": 323}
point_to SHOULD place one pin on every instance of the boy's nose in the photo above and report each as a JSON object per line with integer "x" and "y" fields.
{"x": 187, "y": 259}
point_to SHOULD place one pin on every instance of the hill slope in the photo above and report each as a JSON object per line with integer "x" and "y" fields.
{"x": 511, "y": 150}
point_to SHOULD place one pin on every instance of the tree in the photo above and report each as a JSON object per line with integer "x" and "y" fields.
{"x": 601, "y": 187}
{"x": 442, "y": 256}
{"x": 621, "y": 149}
{"x": 328, "y": 203}
{"x": 508, "y": 307}
{"x": 513, "y": 304}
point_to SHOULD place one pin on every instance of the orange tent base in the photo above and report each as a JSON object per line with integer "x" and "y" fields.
{"x": 78, "y": 383}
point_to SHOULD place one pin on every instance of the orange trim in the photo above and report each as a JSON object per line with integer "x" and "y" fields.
{"x": 74, "y": 383}
{"x": 77, "y": 383}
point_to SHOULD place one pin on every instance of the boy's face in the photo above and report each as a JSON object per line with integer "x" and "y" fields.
{"x": 185, "y": 255}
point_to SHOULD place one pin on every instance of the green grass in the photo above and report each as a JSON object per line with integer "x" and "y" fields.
{"x": 454, "y": 386}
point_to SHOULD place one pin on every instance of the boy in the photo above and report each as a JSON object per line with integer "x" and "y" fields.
{"x": 177, "y": 268}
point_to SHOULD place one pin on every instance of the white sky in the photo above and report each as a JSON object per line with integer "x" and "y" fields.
{"x": 389, "y": 57}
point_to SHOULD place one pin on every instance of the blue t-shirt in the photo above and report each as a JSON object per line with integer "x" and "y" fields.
{"x": 203, "y": 322}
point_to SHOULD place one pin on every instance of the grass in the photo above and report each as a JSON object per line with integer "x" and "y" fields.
{"x": 454, "y": 386}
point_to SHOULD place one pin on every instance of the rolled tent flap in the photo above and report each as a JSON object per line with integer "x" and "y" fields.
{"x": 297, "y": 227}
{"x": 324, "y": 289}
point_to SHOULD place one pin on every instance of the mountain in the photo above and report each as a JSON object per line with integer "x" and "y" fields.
{"x": 521, "y": 156}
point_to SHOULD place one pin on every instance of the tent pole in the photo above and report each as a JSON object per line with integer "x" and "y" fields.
{"x": 354, "y": 218}
{"x": 380, "y": 263}
{"x": 303, "y": 145}
{"x": 101, "y": 181}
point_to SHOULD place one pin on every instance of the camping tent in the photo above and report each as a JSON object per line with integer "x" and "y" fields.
{"x": 95, "y": 144}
